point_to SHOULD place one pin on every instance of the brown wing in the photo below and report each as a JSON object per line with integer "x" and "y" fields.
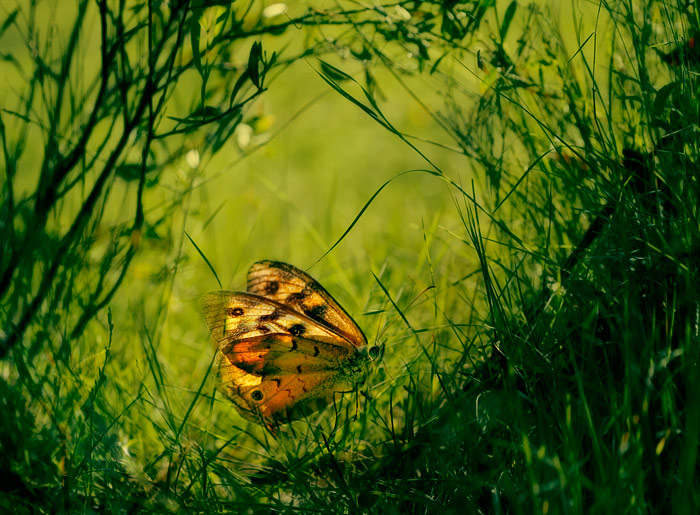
{"x": 276, "y": 354}
{"x": 294, "y": 288}
{"x": 277, "y": 398}
{"x": 235, "y": 316}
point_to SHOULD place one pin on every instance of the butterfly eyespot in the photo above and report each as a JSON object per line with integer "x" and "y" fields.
{"x": 256, "y": 395}
{"x": 297, "y": 329}
{"x": 271, "y": 287}
{"x": 235, "y": 312}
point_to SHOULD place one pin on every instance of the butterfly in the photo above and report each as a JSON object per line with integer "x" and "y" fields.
{"x": 285, "y": 346}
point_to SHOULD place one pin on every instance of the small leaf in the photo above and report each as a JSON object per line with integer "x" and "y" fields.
{"x": 437, "y": 63}
{"x": 198, "y": 116}
{"x": 334, "y": 73}
{"x": 194, "y": 41}
{"x": 253, "y": 63}
{"x": 662, "y": 98}
{"x": 507, "y": 18}
{"x": 237, "y": 86}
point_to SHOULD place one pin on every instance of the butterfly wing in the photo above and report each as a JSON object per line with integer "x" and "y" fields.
{"x": 237, "y": 315}
{"x": 274, "y": 362}
{"x": 298, "y": 291}
{"x": 276, "y": 354}
{"x": 277, "y": 398}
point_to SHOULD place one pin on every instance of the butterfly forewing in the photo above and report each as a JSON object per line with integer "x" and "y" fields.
{"x": 236, "y": 316}
{"x": 297, "y": 290}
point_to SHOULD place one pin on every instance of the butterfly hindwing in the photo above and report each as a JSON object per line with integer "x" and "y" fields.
{"x": 296, "y": 289}
{"x": 277, "y": 398}
{"x": 282, "y": 353}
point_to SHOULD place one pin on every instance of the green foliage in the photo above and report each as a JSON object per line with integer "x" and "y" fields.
{"x": 525, "y": 253}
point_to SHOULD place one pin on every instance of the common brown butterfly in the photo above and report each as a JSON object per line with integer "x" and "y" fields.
{"x": 285, "y": 346}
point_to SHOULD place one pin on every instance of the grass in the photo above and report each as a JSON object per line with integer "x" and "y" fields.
{"x": 515, "y": 216}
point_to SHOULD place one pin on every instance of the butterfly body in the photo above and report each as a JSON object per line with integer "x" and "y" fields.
{"x": 285, "y": 346}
